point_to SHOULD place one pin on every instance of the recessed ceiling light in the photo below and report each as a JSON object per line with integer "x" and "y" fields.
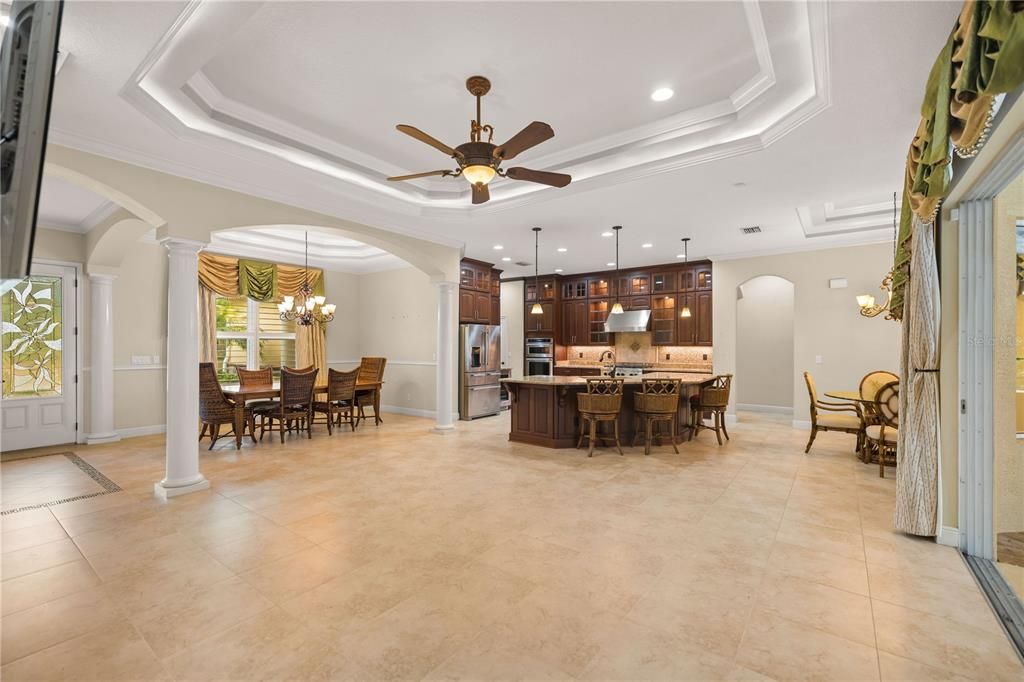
{"x": 607, "y": 234}
{"x": 680, "y": 255}
{"x": 506, "y": 259}
{"x": 558, "y": 269}
{"x": 662, "y": 94}
{"x": 498, "y": 247}
{"x": 611, "y": 265}
{"x": 562, "y": 249}
{"x": 646, "y": 246}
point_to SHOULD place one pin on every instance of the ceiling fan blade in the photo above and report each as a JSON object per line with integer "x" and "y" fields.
{"x": 422, "y": 175}
{"x": 480, "y": 193}
{"x": 530, "y": 136}
{"x": 543, "y": 177}
{"x": 423, "y": 137}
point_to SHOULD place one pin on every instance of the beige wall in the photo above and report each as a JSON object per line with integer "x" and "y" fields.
{"x": 826, "y": 322}
{"x": 512, "y": 311}
{"x": 392, "y": 314}
{"x": 764, "y": 342}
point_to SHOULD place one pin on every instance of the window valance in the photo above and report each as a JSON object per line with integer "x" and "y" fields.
{"x": 983, "y": 58}
{"x": 258, "y": 280}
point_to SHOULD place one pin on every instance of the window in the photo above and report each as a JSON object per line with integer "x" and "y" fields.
{"x": 251, "y": 334}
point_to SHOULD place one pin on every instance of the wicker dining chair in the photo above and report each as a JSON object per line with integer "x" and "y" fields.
{"x": 833, "y": 416}
{"x": 713, "y": 398}
{"x": 371, "y": 369}
{"x": 657, "y": 401}
{"x": 868, "y": 389}
{"x": 252, "y": 378}
{"x": 215, "y": 410}
{"x": 341, "y": 393}
{"x": 601, "y": 403}
{"x": 884, "y": 435}
{"x": 294, "y": 407}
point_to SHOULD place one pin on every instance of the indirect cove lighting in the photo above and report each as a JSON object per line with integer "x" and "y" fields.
{"x": 662, "y": 94}
{"x": 478, "y": 174}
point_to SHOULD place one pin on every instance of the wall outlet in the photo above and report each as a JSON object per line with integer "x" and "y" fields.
{"x": 581, "y": 355}
{"x": 818, "y": 360}
{"x": 668, "y": 356}
{"x": 705, "y": 356}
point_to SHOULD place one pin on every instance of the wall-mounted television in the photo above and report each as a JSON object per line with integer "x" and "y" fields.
{"x": 28, "y": 57}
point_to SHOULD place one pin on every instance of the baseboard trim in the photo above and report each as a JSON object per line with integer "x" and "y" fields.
{"x": 731, "y": 419}
{"x": 802, "y": 424}
{"x": 777, "y": 409}
{"x": 136, "y": 431}
{"x": 410, "y": 411}
{"x": 948, "y": 536}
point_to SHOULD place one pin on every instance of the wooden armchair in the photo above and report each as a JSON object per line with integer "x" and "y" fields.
{"x": 294, "y": 407}
{"x": 601, "y": 403}
{"x": 884, "y": 435}
{"x": 370, "y": 370}
{"x": 214, "y": 409}
{"x": 341, "y": 393}
{"x": 656, "y": 401}
{"x": 833, "y": 416}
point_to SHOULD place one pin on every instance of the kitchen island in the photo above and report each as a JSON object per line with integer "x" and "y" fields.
{"x": 544, "y": 407}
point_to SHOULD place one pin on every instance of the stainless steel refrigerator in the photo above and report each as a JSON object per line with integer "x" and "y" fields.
{"x": 480, "y": 360}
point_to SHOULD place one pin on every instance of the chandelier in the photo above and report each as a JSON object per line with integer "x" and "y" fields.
{"x": 868, "y": 307}
{"x": 310, "y": 308}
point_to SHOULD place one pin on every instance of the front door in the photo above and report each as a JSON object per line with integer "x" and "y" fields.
{"x": 38, "y": 405}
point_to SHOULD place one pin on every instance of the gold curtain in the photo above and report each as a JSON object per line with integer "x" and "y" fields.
{"x": 219, "y": 273}
{"x": 259, "y": 280}
{"x": 207, "y": 324}
{"x": 311, "y": 348}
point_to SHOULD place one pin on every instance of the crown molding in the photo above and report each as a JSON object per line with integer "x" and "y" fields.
{"x": 170, "y": 88}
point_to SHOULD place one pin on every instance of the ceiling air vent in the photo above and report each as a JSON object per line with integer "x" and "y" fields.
{"x": 754, "y": 229}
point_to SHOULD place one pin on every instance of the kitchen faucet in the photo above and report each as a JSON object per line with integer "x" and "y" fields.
{"x": 611, "y": 354}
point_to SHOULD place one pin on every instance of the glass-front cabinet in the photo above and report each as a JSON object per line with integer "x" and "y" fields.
{"x": 663, "y": 282}
{"x": 600, "y": 287}
{"x": 663, "y": 320}
{"x": 597, "y": 317}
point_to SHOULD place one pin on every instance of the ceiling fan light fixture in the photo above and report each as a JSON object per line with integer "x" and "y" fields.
{"x": 478, "y": 174}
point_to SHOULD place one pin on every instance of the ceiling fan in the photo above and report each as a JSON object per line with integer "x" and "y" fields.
{"x": 480, "y": 161}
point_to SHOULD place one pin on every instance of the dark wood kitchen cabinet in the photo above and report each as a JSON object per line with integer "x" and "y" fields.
{"x": 575, "y": 327}
{"x": 540, "y": 325}
{"x": 705, "y": 315}
{"x": 686, "y": 328}
{"x": 695, "y": 330}
{"x": 479, "y": 293}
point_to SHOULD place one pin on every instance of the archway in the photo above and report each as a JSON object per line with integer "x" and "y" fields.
{"x": 765, "y": 345}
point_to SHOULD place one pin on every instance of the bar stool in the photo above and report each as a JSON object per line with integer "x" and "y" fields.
{"x": 657, "y": 401}
{"x": 713, "y": 398}
{"x": 601, "y": 403}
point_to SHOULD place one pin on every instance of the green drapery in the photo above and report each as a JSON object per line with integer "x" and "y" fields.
{"x": 258, "y": 280}
{"x": 983, "y": 57}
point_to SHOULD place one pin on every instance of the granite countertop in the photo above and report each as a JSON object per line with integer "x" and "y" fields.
{"x": 548, "y": 380}
{"x": 657, "y": 367}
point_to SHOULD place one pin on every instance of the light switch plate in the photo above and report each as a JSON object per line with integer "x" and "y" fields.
{"x": 140, "y": 360}
{"x": 818, "y": 360}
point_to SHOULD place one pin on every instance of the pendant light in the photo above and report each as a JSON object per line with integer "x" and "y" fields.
{"x": 617, "y": 307}
{"x": 685, "y": 311}
{"x": 537, "y": 309}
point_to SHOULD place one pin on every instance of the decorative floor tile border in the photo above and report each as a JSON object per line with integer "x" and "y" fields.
{"x": 86, "y": 468}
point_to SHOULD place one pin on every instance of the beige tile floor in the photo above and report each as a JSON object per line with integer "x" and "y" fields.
{"x": 394, "y": 553}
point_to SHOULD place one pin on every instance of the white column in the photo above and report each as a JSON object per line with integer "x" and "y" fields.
{"x": 101, "y": 351}
{"x": 182, "y": 469}
{"x": 445, "y": 355}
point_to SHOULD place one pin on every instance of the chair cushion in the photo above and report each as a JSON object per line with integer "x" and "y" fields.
{"x": 874, "y": 432}
{"x": 838, "y": 421}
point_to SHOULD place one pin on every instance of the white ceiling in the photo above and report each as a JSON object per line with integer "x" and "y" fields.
{"x": 810, "y": 106}
{"x": 285, "y": 244}
{"x": 66, "y": 206}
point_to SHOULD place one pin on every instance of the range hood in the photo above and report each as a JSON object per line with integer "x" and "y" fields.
{"x": 628, "y": 321}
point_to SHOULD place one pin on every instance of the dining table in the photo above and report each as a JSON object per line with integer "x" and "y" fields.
{"x": 854, "y": 397}
{"x": 239, "y": 396}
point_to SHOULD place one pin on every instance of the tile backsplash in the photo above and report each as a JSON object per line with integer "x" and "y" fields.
{"x": 637, "y": 348}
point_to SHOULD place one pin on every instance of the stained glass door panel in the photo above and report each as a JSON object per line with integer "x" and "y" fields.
{"x": 38, "y": 359}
